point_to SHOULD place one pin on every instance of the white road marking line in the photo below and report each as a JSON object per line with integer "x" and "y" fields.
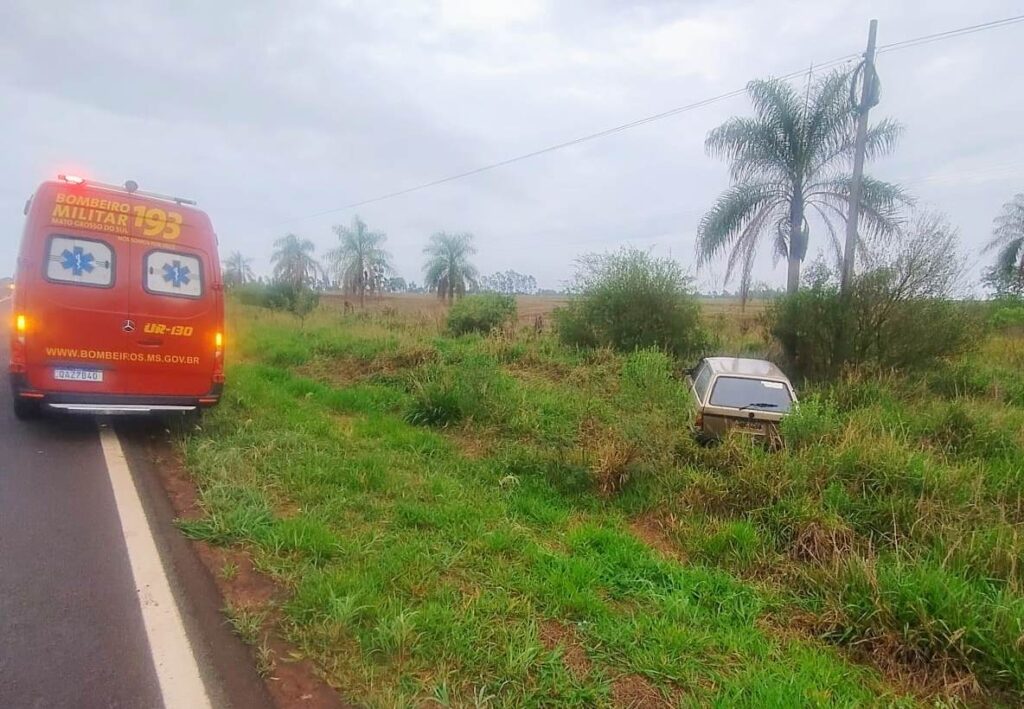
{"x": 180, "y": 682}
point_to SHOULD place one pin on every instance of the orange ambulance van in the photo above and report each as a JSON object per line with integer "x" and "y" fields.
{"x": 118, "y": 303}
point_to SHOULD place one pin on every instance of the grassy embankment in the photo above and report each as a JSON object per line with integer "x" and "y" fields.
{"x": 504, "y": 521}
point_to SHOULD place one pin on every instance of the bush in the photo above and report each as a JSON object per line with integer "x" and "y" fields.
{"x": 481, "y": 313}
{"x": 300, "y": 301}
{"x": 1008, "y": 315}
{"x": 630, "y": 300}
{"x": 252, "y": 294}
{"x": 820, "y": 334}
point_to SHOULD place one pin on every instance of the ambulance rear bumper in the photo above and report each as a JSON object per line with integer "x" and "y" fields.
{"x": 97, "y": 403}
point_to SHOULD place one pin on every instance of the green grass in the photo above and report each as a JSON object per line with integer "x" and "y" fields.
{"x": 430, "y": 502}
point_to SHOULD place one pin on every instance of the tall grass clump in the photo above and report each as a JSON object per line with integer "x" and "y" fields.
{"x": 631, "y": 300}
{"x": 447, "y": 394}
{"x": 812, "y": 421}
{"x": 928, "y": 616}
{"x": 481, "y": 313}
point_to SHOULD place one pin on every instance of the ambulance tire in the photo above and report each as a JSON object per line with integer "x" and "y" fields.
{"x": 26, "y": 409}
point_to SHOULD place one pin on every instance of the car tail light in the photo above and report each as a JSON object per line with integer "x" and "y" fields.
{"x": 699, "y": 421}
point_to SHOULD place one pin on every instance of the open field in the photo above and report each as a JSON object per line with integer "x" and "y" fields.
{"x": 430, "y": 307}
{"x": 502, "y": 521}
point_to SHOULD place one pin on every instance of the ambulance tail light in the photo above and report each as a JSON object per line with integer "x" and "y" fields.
{"x": 71, "y": 179}
{"x": 218, "y": 357}
{"x": 17, "y": 363}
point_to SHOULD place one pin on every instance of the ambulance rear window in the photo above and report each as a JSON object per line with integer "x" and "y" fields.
{"x": 80, "y": 262}
{"x": 173, "y": 273}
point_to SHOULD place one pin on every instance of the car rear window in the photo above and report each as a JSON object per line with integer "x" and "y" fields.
{"x": 758, "y": 394}
{"x": 173, "y": 273}
{"x": 80, "y": 262}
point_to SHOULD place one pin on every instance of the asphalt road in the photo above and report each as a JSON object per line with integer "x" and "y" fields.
{"x": 72, "y": 631}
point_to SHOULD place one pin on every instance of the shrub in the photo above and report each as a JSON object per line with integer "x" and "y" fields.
{"x": 252, "y": 294}
{"x": 300, "y": 301}
{"x": 481, "y": 313}
{"x": 1008, "y": 315}
{"x": 630, "y": 300}
{"x": 820, "y": 333}
{"x": 899, "y": 314}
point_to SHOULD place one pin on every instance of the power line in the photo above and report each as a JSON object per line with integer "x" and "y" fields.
{"x": 576, "y": 141}
{"x": 949, "y": 34}
{"x": 894, "y": 46}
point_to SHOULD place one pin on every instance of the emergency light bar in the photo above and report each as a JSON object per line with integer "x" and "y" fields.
{"x": 131, "y": 187}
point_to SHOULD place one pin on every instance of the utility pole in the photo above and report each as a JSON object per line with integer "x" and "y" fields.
{"x": 868, "y": 98}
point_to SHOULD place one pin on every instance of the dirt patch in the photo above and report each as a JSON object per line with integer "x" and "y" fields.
{"x": 652, "y": 528}
{"x": 181, "y": 491}
{"x": 633, "y": 692}
{"x": 554, "y": 635}
{"x": 472, "y": 446}
{"x": 291, "y": 680}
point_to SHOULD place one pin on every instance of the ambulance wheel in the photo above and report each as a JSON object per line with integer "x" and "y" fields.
{"x": 25, "y": 409}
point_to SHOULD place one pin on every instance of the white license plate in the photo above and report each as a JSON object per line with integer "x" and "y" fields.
{"x": 78, "y": 375}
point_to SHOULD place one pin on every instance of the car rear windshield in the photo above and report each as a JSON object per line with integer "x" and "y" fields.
{"x": 758, "y": 394}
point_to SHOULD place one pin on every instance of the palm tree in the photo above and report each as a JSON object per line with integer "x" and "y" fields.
{"x": 359, "y": 260}
{"x": 787, "y": 162}
{"x": 293, "y": 261}
{"x": 238, "y": 269}
{"x": 448, "y": 270}
{"x": 1008, "y": 238}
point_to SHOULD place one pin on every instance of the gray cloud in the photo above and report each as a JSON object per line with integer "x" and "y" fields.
{"x": 267, "y": 112}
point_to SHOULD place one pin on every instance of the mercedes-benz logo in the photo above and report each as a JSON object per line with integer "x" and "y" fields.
{"x": 128, "y": 326}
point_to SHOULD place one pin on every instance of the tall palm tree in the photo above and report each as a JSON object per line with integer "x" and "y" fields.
{"x": 448, "y": 270}
{"x": 789, "y": 162}
{"x": 294, "y": 262}
{"x": 238, "y": 269}
{"x": 1008, "y": 238}
{"x": 359, "y": 260}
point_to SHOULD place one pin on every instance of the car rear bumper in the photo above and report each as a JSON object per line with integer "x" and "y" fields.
{"x": 99, "y": 403}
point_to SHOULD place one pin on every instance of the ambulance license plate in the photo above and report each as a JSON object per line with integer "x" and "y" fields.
{"x": 78, "y": 375}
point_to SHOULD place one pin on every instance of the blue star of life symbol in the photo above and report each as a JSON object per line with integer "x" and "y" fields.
{"x": 77, "y": 260}
{"x": 176, "y": 274}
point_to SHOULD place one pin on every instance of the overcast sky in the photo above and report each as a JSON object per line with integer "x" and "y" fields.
{"x": 267, "y": 112}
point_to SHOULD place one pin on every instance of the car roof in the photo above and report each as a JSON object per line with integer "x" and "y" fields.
{"x": 743, "y": 366}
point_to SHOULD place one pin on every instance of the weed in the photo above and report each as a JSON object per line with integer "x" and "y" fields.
{"x": 246, "y": 624}
{"x": 264, "y": 660}
{"x": 229, "y": 571}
